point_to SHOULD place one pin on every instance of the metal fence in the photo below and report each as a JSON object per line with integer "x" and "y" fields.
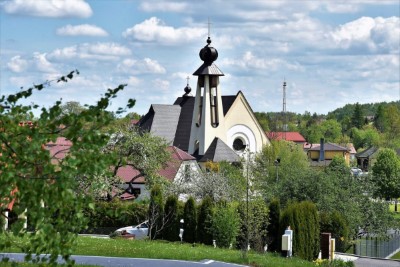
{"x": 377, "y": 246}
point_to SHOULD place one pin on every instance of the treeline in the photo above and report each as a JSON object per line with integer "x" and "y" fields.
{"x": 365, "y": 125}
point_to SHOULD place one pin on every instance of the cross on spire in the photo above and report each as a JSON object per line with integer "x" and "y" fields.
{"x": 209, "y": 27}
{"x": 187, "y": 80}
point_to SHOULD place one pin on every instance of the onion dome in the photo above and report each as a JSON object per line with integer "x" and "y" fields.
{"x": 208, "y": 54}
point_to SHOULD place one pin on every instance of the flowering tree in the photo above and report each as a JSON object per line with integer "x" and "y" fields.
{"x": 44, "y": 193}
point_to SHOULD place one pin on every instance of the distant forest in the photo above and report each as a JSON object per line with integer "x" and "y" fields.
{"x": 364, "y": 125}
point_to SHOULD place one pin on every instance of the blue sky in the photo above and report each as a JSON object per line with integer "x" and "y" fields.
{"x": 331, "y": 52}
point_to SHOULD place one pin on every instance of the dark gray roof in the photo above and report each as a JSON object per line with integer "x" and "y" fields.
{"x": 219, "y": 151}
{"x": 367, "y": 153}
{"x": 162, "y": 121}
{"x": 182, "y": 133}
{"x": 207, "y": 69}
{"x": 329, "y": 147}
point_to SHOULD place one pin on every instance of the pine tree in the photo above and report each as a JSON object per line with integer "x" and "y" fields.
{"x": 170, "y": 231}
{"x": 357, "y": 120}
{"x": 273, "y": 227}
{"x": 155, "y": 213}
{"x": 190, "y": 221}
{"x": 204, "y": 221}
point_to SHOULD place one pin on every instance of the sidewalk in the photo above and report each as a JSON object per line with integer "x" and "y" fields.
{"x": 367, "y": 262}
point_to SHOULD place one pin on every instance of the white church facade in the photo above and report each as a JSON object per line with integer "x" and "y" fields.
{"x": 210, "y": 126}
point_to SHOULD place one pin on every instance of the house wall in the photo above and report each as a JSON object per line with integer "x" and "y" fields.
{"x": 241, "y": 122}
{"x": 329, "y": 155}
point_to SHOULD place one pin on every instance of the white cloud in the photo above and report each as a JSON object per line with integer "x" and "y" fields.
{"x": 374, "y": 34}
{"x": 155, "y": 30}
{"x": 164, "y": 6}
{"x": 162, "y": 85}
{"x": 84, "y": 29}
{"x": 146, "y": 65}
{"x": 42, "y": 63}
{"x": 250, "y": 61}
{"x": 48, "y": 8}
{"x": 17, "y": 64}
{"x": 97, "y": 51}
{"x": 133, "y": 81}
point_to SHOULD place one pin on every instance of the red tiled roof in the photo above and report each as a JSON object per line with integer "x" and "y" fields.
{"x": 169, "y": 172}
{"x": 59, "y": 149}
{"x": 288, "y": 136}
{"x": 179, "y": 154}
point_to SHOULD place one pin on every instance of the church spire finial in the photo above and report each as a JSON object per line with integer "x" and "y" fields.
{"x": 209, "y": 32}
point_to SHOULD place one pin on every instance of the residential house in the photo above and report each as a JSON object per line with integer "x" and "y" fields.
{"x": 367, "y": 158}
{"x": 295, "y": 137}
{"x": 322, "y": 154}
{"x": 179, "y": 169}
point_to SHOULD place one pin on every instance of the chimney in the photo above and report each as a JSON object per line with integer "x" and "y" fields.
{"x": 322, "y": 150}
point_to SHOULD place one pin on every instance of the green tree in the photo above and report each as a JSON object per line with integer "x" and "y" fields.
{"x": 46, "y": 192}
{"x": 335, "y": 224}
{"x": 190, "y": 221}
{"x": 304, "y": 221}
{"x": 204, "y": 221}
{"x": 254, "y": 223}
{"x": 386, "y": 174}
{"x": 142, "y": 151}
{"x": 225, "y": 224}
{"x": 156, "y": 213}
{"x": 338, "y": 164}
{"x": 171, "y": 227}
{"x": 273, "y": 230}
{"x": 357, "y": 119}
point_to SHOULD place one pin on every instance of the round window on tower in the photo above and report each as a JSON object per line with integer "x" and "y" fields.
{"x": 238, "y": 144}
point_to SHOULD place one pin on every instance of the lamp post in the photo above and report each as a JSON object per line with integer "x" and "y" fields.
{"x": 276, "y": 163}
{"x": 247, "y": 200}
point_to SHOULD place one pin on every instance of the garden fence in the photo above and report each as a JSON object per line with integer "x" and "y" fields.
{"x": 379, "y": 247}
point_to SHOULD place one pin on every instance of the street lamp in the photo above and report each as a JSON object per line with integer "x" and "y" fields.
{"x": 276, "y": 163}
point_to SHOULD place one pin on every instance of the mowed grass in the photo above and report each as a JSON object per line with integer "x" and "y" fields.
{"x": 395, "y": 214}
{"x": 396, "y": 256}
{"x": 166, "y": 250}
{"x": 178, "y": 251}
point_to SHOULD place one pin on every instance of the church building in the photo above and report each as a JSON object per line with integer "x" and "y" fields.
{"x": 209, "y": 126}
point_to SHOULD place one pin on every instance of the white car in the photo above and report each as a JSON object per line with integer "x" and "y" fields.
{"x": 140, "y": 231}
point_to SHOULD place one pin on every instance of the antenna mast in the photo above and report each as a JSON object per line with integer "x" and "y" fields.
{"x": 284, "y": 110}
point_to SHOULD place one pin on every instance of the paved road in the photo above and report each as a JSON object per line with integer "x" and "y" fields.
{"x": 130, "y": 262}
{"x": 367, "y": 262}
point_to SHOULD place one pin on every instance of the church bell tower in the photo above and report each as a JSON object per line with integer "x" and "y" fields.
{"x": 208, "y": 117}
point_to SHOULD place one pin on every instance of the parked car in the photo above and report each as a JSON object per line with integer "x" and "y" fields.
{"x": 355, "y": 171}
{"x": 140, "y": 231}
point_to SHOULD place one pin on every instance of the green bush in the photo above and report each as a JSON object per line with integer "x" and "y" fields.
{"x": 204, "y": 221}
{"x": 170, "y": 231}
{"x": 225, "y": 224}
{"x": 190, "y": 221}
{"x": 108, "y": 216}
{"x": 274, "y": 235}
{"x": 335, "y": 224}
{"x": 304, "y": 221}
{"x": 257, "y": 223}
{"x": 155, "y": 213}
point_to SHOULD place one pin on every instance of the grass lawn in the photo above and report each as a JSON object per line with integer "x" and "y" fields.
{"x": 167, "y": 250}
{"x": 396, "y": 214}
{"x": 396, "y": 256}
